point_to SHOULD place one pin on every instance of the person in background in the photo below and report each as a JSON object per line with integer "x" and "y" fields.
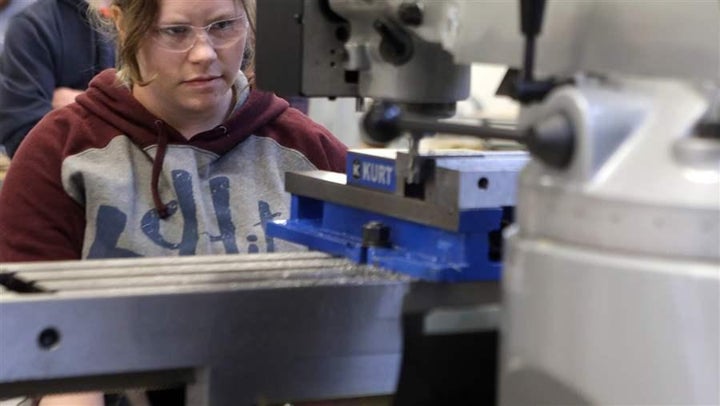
{"x": 51, "y": 53}
{"x": 9, "y": 8}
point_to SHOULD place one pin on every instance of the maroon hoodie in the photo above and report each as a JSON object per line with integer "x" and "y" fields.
{"x": 105, "y": 178}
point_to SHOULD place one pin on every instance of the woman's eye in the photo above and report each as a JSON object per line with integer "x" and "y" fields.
{"x": 175, "y": 30}
{"x": 223, "y": 25}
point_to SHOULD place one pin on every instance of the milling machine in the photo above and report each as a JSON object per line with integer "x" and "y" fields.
{"x": 611, "y": 279}
{"x": 610, "y": 272}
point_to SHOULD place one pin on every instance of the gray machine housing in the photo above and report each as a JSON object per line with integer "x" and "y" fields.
{"x": 611, "y": 276}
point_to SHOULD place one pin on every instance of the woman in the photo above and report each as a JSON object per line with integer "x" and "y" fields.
{"x": 175, "y": 153}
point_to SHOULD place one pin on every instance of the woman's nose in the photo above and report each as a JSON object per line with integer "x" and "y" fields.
{"x": 203, "y": 48}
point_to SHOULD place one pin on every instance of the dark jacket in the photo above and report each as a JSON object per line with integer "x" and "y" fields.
{"x": 49, "y": 44}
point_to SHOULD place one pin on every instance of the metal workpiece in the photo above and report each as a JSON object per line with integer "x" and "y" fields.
{"x": 236, "y": 330}
{"x": 331, "y": 187}
{"x": 456, "y": 180}
{"x": 475, "y": 180}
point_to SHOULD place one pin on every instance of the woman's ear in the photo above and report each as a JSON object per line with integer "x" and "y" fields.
{"x": 117, "y": 16}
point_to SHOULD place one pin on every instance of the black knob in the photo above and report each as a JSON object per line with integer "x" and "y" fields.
{"x": 552, "y": 141}
{"x": 382, "y": 123}
{"x": 531, "y": 16}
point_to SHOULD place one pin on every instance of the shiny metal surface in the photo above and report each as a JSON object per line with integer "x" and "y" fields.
{"x": 331, "y": 187}
{"x": 611, "y": 278}
{"x": 455, "y": 184}
{"x": 473, "y": 180}
{"x": 669, "y": 38}
{"x": 236, "y": 330}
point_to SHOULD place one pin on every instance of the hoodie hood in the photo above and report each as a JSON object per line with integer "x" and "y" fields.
{"x": 112, "y": 102}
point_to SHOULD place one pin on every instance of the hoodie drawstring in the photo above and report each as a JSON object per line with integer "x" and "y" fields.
{"x": 161, "y": 208}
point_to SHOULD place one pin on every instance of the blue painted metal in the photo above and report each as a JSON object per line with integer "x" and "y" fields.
{"x": 421, "y": 251}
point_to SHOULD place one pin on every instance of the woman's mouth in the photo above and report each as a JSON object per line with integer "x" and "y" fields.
{"x": 201, "y": 81}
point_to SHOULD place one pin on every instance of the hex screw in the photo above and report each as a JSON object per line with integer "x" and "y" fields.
{"x": 375, "y": 234}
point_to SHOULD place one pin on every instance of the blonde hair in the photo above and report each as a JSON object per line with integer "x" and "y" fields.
{"x": 139, "y": 18}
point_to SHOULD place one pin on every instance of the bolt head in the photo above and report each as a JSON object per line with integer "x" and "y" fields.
{"x": 376, "y": 234}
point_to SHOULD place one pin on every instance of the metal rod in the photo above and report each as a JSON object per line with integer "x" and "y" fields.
{"x": 482, "y": 131}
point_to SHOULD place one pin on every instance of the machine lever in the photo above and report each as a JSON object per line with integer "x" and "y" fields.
{"x": 527, "y": 88}
{"x": 385, "y": 122}
{"x": 552, "y": 140}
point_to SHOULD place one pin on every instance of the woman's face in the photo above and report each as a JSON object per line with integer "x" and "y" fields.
{"x": 192, "y": 69}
